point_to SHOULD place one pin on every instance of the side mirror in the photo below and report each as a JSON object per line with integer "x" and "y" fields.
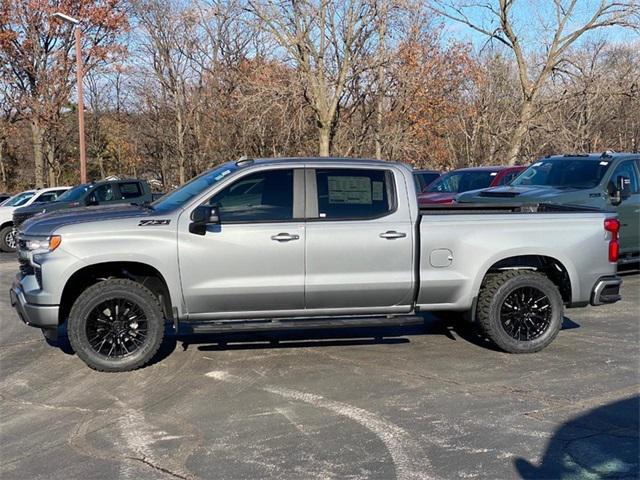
{"x": 621, "y": 190}
{"x": 91, "y": 201}
{"x": 202, "y": 216}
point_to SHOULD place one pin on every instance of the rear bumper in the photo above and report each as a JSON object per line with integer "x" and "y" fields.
{"x": 606, "y": 290}
{"x": 42, "y": 316}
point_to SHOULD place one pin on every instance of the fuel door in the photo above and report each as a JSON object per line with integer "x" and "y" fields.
{"x": 441, "y": 257}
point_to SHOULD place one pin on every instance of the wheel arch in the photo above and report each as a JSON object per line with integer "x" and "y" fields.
{"x": 141, "y": 272}
{"x": 8, "y": 223}
{"x": 551, "y": 267}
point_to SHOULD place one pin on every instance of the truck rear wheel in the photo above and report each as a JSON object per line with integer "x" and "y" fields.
{"x": 520, "y": 311}
{"x": 8, "y": 240}
{"x": 116, "y": 325}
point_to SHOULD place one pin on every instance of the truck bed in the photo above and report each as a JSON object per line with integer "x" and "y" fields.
{"x": 459, "y": 244}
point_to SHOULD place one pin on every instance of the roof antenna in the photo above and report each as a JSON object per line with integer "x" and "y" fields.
{"x": 607, "y": 153}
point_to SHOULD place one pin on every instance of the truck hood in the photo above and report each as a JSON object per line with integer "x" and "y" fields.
{"x": 47, "y": 207}
{"x": 46, "y": 224}
{"x": 520, "y": 193}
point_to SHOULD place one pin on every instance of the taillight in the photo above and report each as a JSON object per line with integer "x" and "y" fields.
{"x": 612, "y": 225}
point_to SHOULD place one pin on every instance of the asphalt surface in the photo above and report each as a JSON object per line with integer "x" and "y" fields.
{"x": 420, "y": 402}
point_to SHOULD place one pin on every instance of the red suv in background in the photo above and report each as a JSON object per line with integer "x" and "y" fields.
{"x": 445, "y": 188}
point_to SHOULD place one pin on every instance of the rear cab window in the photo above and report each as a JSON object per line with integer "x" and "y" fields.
{"x": 354, "y": 194}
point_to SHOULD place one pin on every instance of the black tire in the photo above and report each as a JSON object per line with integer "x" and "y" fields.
{"x": 520, "y": 311}
{"x": 8, "y": 245}
{"x": 89, "y": 320}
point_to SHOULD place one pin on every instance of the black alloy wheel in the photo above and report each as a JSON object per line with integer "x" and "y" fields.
{"x": 525, "y": 313}
{"x": 116, "y": 328}
{"x": 116, "y": 325}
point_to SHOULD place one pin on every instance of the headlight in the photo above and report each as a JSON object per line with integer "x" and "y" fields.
{"x": 42, "y": 244}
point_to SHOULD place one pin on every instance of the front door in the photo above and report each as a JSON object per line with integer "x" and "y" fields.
{"x": 253, "y": 261}
{"x": 359, "y": 241}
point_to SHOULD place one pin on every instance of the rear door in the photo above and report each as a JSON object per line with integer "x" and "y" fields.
{"x": 359, "y": 248}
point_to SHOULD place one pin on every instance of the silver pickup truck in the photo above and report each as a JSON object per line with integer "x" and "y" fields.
{"x": 305, "y": 242}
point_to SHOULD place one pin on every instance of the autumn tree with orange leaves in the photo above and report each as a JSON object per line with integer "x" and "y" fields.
{"x": 36, "y": 60}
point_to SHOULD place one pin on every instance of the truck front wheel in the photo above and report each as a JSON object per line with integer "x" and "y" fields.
{"x": 520, "y": 311}
{"x": 116, "y": 325}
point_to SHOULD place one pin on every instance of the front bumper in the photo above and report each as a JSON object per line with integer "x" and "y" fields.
{"x": 42, "y": 316}
{"x": 606, "y": 290}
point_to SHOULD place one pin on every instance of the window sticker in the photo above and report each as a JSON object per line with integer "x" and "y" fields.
{"x": 349, "y": 190}
{"x": 493, "y": 174}
{"x": 604, "y": 164}
{"x": 377, "y": 191}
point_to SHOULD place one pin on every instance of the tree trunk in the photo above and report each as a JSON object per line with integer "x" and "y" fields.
{"x": 381, "y": 80}
{"x": 51, "y": 172}
{"x": 3, "y": 170}
{"x": 324, "y": 133}
{"x": 181, "y": 150}
{"x": 37, "y": 134}
{"x": 101, "y": 165}
{"x": 519, "y": 132}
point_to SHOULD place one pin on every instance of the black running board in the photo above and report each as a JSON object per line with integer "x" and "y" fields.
{"x": 311, "y": 324}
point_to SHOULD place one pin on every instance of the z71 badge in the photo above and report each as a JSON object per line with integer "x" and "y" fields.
{"x": 153, "y": 223}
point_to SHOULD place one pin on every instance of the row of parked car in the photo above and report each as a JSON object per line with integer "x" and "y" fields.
{"x": 607, "y": 181}
{"x": 18, "y": 208}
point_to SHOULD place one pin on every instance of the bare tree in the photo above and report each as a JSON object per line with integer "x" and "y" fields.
{"x": 329, "y": 42}
{"x": 562, "y": 26}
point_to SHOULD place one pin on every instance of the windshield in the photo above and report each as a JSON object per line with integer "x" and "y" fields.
{"x": 193, "y": 188}
{"x": 75, "y": 194}
{"x": 574, "y": 173}
{"x": 458, "y": 182}
{"x": 19, "y": 199}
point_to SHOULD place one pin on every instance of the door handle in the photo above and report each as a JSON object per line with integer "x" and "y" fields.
{"x": 285, "y": 237}
{"x": 391, "y": 234}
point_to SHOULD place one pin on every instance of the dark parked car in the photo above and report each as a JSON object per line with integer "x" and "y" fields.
{"x": 445, "y": 188}
{"x": 108, "y": 192}
{"x": 424, "y": 178}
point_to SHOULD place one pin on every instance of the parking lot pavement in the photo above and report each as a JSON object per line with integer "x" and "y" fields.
{"x": 421, "y": 402}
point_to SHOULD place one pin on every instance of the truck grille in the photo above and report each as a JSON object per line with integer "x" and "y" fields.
{"x": 25, "y": 267}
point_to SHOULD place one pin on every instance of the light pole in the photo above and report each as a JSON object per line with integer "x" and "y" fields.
{"x": 79, "y": 74}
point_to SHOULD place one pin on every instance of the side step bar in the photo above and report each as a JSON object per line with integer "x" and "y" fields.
{"x": 311, "y": 324}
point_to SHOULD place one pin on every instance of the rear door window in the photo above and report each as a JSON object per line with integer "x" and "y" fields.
{"x": 130, "y": 190}
{"x": 354, "y": 194}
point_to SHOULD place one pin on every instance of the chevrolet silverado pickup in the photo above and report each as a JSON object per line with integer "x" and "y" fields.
{"x": 305, "y": 243}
